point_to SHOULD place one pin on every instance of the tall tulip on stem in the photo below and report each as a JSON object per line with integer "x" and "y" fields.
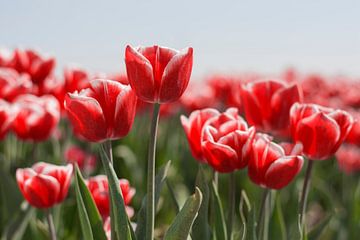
{"x": 271, "y": 167}
{"x": 157, "y": 75}
{"x": 321, "y": 131}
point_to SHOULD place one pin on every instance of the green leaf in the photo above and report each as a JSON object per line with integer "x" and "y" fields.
{"x": 10, "y": 198}
{"x": 90, "y": 219}
{"x": 244, "y": 201}
{"x": 219, "y": 219}
{"x": 120, "y": 221}
{"x": 201, "y": 228}
{"x": 319, "y": 228}
{"x": 16, "y": 228}
{"x": 141, "y": 216}
{"x": 180, "y": 228}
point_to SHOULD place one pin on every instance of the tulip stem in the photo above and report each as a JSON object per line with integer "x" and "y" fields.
{"x": 263, "y": 209}
{"x": 232, "y": 199}
{"x": 150, "y": 201}
{"x": 304, "y": 195}
{"x": 51, "y": 225}
{"x": 107, "y": 146}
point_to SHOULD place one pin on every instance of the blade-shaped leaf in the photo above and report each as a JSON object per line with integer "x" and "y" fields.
{"x": 244, "y": 202}
{"x": 141, "y": 217}
{"x": 120, "y": 219}
{"x": 181, "y": 226}
{"x": 201, "y": 228}
{"x": 16, "y": 228}
{"x": 90, "y": 219}
{"x": 219, "y": 228}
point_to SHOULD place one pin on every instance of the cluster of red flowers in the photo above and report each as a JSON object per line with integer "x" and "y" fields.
{"x": 290, "y": 111}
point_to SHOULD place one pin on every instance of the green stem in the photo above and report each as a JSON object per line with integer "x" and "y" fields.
{"x": 263, "y": 209}
{"x": 107, "y": 148}
{"x": 231, "y": 213}
{"x": 150, "y": 201}
{"x": 304, "y": 195}
{"x": 51, "y": 224}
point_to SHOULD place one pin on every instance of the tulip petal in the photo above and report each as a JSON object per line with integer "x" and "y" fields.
{"x": 63, "y": 175}
{"x": 282, "y": 171}
{"x": 251, "y": 107}
{"x": 125, "y": 110}
{"x": 42, "y": 191}
{"x": 86, "y": 116}
{"x": 319, "y": 134}
{"x": 140, "y": 73}
{"x": 176, "y": 76}
{"x": 221, "y": 157}
{"x": 281, "y": 103}
{"x": 345, "y": 122}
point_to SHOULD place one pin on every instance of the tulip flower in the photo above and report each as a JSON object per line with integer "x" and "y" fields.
{"x": 269, "y": 165}
{"x": 354, "y": 134}
{"x": 36, "y": 117}
{"x": 44, "y": 185}
{"x": 158, "y": 74}
{"x": 99, "y": 190}
{"x": 106, "y": 110}
{"x": 5, "y": 118}
{"x": 31, "y": 62}
{"x": 267, "y": 105}
{"x": 226, "y": 141}
{"x": 348, "y": 158}
{"x": 85, "y": 161}
{"x": 13, "y": 84}
{"x": 193, "y": 127}
{"x": 320, "y": 130}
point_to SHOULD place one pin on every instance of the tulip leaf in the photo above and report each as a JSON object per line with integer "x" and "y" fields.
{"x": 119, "y": 218}
{"x": 141, "y": 216}
{"x": 16, "y": 228}
{"x": 244, "y": 202}
{"x": 201, "y": 228}
{"x": 219, "y": 228}
{"x": 90, "y": 219}
{"x": 181, "y": 226}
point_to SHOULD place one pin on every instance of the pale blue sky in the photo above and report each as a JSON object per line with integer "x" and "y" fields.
{"x": 227, "y": 36}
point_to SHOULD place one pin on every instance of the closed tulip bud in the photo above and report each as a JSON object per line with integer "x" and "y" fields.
{"x": 267, "y": 105}
{"x": 106, "y": 110}
{"x": 270, "y": 166}
{"x": 99, "y": 190}
{"x": 320, "y": 130}
{"x": 44, "y": 185}
{"x": 36, "y": 117}
{"x": 158, "y": 74}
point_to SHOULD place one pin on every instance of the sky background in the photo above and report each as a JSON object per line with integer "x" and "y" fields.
{"x": 227, "y": 36}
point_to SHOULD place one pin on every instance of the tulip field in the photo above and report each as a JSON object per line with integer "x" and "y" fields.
{"x": 150, "y": 152}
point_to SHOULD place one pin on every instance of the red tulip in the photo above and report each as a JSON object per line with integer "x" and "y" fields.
{"x": 85, "y": 161}
{"x": 99, "y": 189}
{"x": 106, "y": 110}
{"x": 13, "y": 84}
{"x": 354, "y": 134}
{"x": 193, "y": 127}
{"x": 267, "y": 105}
{"x": 5, "y": 118}
{"x": 75, "y": 79}
{"x": 348, "y": 157}
{"x": 31, "y": 62}
{"x": 269, "y": 165}
{"x": 320, "y": 130}
{"x": 36, "y": 117}
{"x": 44, "y": 185}
{"x": 226, "y": 141}
{"x": 193, "y": 99}
{"x": 158, "y": 74}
